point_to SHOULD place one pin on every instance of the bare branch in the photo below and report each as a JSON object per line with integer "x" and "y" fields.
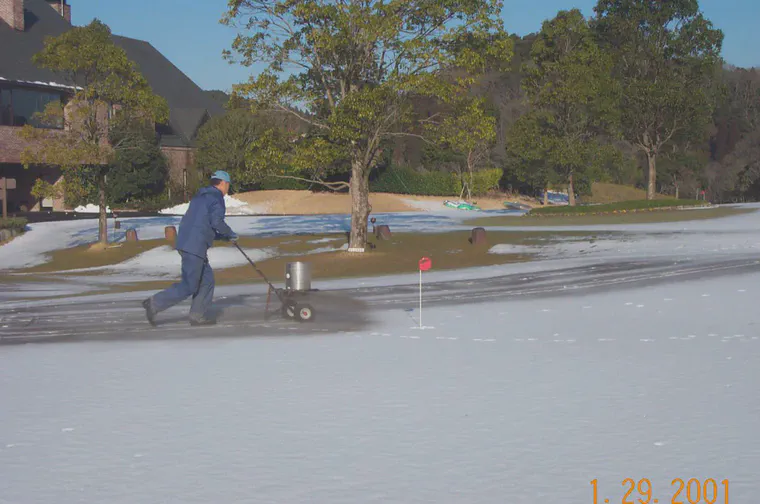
{"x": 410, "y": 135}
{"x": 672, "y": 132}
{"x": 335, "y": 186}
{"x": 319, "y": 68}
{"x": 302, "y": 118}
{"x": 430, "y": 119}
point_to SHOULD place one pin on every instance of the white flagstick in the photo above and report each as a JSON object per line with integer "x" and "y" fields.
{"x": 424, "y": 265}
{"x": 420, "y": 299}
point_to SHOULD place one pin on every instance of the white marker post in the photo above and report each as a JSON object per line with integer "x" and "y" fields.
{"x": 425, "y": 264}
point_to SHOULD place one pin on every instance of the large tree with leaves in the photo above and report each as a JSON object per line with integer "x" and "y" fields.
{"x": 468, "y": 131}
{"x": 138, "y": 175}
{"x": 110, "y": 93}
{"x": 225, "y": 142}
{"x": 666, "y": 54}
{"x": 573, "y": 102}
{"x": 353, "y": 67}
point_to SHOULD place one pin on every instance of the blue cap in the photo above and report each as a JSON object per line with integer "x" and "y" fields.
{"x": 221, "y": 175}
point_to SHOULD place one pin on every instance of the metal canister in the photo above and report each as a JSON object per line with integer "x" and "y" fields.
{"x": 298, "y": 276}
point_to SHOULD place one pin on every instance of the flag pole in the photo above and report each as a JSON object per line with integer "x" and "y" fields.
{"x": 420, "y": 299}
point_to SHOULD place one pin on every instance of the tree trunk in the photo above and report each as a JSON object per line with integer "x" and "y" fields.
{"x": 470, "y": 185}
{"x": 546, "y": 196}
{"x": 652, "y": 175}
{"x": 677, "y": 190}
{"x": 359, "y": 189}
{"x": 102, "y": 220}
{"x": 571, "y": 190}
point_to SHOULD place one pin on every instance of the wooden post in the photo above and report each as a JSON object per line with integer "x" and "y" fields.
{"x": 5, "y": 198}
{"x": 5, "y": 184}
{"x": 478, "y": 236}
{"x": 383, "y": 232}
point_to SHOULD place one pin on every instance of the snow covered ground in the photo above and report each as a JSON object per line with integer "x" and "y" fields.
{"x": 519, "y": 389}
{"x": 548, "y": 394}
{"x": 642, "y": 363}
{"x": 739, "y": 234}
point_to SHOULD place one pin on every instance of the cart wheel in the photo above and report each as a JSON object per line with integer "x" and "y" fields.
{"x": 289, "y": 309}
{"x": 305, "y": 313}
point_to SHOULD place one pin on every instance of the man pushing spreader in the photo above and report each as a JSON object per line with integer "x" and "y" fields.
{"x": 200, "y": 226}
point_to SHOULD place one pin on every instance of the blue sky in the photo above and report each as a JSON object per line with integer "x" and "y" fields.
{"x": 189, "y": 34}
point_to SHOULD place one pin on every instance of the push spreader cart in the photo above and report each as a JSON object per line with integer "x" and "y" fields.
{"x": 295, "y": 287}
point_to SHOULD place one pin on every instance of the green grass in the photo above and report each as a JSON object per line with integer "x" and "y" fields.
{"x": 611, "y": 218}
{"x": 400, "y": 254}
{"x": 617, "y": 207}
{"x": 397, "y": 255}
{"x": 604, "y": 192}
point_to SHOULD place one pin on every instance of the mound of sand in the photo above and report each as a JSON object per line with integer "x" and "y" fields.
{"x": 310, "y": 203}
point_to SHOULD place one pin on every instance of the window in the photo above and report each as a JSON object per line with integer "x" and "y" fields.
{"x": 6, "y": 116}
{"x": 18, "y": 106}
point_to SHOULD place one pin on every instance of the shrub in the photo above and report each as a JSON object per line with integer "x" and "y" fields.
{"x": 407, "y": 181}
{"x": 17, "y": 224}
{"x": 43, "y": 189}
{"x": 484, "y": 181}
{"x": 274, "y": 184}
{"x": 396, "y": 180}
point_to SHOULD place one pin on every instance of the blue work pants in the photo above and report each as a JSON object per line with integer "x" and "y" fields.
{"x": 197, "y": 281}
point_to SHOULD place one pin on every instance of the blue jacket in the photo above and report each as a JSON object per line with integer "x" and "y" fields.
{"x": 203, "y": 222}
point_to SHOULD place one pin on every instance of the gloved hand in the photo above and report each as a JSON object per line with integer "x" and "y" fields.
{"x": 233, "y": 237}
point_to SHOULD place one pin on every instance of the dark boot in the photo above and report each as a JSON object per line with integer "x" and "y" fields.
{"x": 201, "y": 321}
{"x": 150, "y": 313}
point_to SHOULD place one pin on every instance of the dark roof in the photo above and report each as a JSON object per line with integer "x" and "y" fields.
{"x": 189, "y": 105}
{"x": 186, "y": 121}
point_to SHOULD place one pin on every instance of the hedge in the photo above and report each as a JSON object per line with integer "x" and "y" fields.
{"x": 13, "y": 223}
{"x": 407, "y": 181}
{"x": 274, "y": 184}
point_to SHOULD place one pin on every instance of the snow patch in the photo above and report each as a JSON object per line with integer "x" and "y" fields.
{"x": 161, "y": 259}
{"x": 233, "y": 207}
{"x": 507, "y": 248}
{"x": 324, "y": 240}
{"x": 41, "y": 83}
{"x": 165, "y": 262}
{"x": 429, "y": 206}
{"x": 323, "y": 250}
{"x": 90, "y": 208}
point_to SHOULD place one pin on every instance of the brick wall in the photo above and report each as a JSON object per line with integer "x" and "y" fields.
{"x": 56, "y": 4}
{"x": 12, "y": 13}
{"x": 12, "y": 145}
{"x": 179, "y": 160}
{"x": 20, "y": 198}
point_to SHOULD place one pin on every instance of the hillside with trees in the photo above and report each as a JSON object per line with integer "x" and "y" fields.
{"x": 636, "y": 94}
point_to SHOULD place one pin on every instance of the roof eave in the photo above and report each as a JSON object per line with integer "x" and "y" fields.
{"x": 53, "y": 85}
